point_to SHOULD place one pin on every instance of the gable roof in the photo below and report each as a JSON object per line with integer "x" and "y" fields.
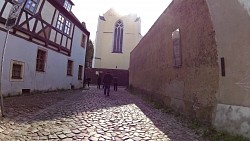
{"x": 62, "y": 2}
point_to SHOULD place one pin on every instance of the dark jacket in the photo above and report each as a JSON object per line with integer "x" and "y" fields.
{"x": 115, "y": 80}
{"x": 99, "y": 80}
{"x": 107, "y": 79}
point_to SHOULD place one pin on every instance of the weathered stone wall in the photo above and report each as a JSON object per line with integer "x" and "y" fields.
{"x": 190, "y": 89}
{"x": 231, "y": 21}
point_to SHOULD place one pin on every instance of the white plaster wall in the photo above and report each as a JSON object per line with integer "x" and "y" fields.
{"x": 7, "y": 11}
{"x": 246, "y": 5}
{"x": 55, "y": 19}
{"x": 231, "y": 21}
{"x": 52, "y": 35}
{"x": 1, "y": 4}
{"x": 23, "y": 17}
{"x": 228, "y": 115}
{"x": 54, "y": 76}
{"x": 47, "y": 12}
{"x": 78, "y": 56}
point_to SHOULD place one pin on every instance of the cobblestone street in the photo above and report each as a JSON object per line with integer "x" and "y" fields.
{"x": 88, "y": 115}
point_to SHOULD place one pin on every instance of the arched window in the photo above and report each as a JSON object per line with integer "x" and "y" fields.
{"x": 118, "y": 37}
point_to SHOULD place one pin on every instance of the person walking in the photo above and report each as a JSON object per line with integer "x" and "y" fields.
{"x": 107, "y": 79}
{"x": 88, "y": 81}
{"x": 115, "y": 84}
{"x": 99, "y": 81}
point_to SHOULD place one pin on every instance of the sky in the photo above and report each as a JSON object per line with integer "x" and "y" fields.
{"x": 148, "y": 10}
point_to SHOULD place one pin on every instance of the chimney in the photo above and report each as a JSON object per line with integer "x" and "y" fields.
{"x": 84, "y": 24}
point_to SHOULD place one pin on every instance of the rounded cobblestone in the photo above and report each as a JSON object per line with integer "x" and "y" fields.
{"x": 89, "y": 115}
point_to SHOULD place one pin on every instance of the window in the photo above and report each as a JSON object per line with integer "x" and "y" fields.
{"x": 60, "y": 22}
{"x": 67, "y": 5}
{"x": 63, "y": 24}
{"x": 40, "y": 60}
{"x": 83, "y": 40}
{"x": 31, "y": 5}
{"x": 17, "y": 70}
{"x": 18, "y": 1}
{"x": 118, "y": 37}
{"x": 70, "y": 68}
{"x": 67, "y": 27}
{"x": 177, "y": 48}
{"x": 80, "y": 72}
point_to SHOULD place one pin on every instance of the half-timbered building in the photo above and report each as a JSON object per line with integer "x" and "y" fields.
{"x": 46, "y": 48}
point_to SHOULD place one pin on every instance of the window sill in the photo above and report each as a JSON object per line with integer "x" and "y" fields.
{"x": 40, "y": 71}
{"x": 118, "y": 52}
{"x": 16, "y": 80}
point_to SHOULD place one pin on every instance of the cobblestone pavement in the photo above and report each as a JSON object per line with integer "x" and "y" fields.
{"x": 88, "y": 115}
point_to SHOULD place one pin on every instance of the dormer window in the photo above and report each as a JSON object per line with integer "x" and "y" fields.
{"x": 31, "y": 6}
{"x": 67, "y": 5}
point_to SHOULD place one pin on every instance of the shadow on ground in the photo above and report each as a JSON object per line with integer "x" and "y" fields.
{"x": 88, "y": 104}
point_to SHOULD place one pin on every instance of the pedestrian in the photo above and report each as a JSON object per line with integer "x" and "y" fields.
{"x": 88, "y": 81}
{"x": 99, "y": 81}
{"x": 115, "y": 84}
{"x": 107, "y": 79}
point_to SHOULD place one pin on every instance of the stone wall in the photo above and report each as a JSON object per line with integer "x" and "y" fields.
{"x": 191, "y": 88}
{"x": 231, "y": 21}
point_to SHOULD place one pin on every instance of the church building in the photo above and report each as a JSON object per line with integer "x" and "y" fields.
{"x": 116, "y": 37}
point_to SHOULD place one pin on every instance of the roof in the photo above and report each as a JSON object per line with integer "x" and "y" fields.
{"x": 62, "y": 2}
{"x": 59, "y": 5}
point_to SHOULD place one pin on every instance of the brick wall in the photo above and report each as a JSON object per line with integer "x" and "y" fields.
{"x": 191, "y": 88}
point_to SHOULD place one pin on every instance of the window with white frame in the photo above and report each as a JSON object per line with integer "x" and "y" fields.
{"x": 67, "y": 27}
{"x": 67, "y": 5}
{"x": 31, "y": 6}
{"x": 60, "y": 22}
{"x": 118, "y": 37}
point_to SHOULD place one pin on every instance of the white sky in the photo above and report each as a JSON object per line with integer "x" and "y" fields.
{"x": 89, "y": 11}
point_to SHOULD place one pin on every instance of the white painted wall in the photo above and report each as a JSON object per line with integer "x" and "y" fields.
{"x": 246, "y": 5}
{"x": 231, "y": 21}
{"x": 54, "y": 76}
{"x": 48, "y": 12}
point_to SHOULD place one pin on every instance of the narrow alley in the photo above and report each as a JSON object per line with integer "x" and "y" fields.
{"x": 88, "y": 115}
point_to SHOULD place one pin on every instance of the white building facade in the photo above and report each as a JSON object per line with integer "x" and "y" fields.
{"x": 116, "y": 37}
{"x": 45, "y": 50}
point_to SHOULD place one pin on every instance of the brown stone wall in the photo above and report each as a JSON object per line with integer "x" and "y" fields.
{"x": 122, "y": 75}
{"x": 190, "y": 89}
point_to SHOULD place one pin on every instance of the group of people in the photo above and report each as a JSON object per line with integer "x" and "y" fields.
{"x": 107, "y": 81}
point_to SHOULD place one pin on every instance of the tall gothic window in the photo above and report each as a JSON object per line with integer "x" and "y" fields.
{"x": 118, "y": 37}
